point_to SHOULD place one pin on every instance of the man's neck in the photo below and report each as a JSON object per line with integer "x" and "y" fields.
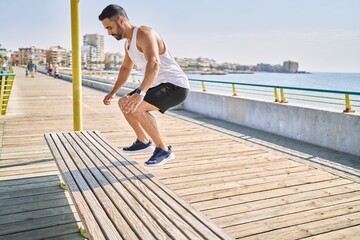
{"x": 129, "y": 32}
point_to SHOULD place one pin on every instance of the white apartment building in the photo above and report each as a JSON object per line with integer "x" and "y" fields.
{"x": 113, "y": 60}
{"x": 88, "y": 56}
{"x": 58, "y": 55}
{"x": 290, "y": 66}
{"x": 97, "y": 41}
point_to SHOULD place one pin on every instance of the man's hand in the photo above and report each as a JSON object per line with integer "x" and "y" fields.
{"x": 133, "y": 102}
{"x": 107, "y": 99}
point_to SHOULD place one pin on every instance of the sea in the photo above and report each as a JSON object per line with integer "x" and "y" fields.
{"x": 323, "y": 81}
{"x": 347, "y": 82}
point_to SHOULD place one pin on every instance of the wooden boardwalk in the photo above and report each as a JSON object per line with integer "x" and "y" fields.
{"x": 250, "y": 191}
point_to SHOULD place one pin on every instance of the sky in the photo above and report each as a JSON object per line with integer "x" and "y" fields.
{"x": 321, "y": 35}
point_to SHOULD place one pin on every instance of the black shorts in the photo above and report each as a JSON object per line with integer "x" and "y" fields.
{"x": 165, "y": 96}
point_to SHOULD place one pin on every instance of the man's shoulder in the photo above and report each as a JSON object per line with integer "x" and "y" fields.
{"x": 144, "y": 28}
{"x": 145, "y": 31}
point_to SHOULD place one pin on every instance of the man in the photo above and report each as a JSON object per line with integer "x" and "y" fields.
{"x": 164, "y": 84}
{"x": 31, "y": 68}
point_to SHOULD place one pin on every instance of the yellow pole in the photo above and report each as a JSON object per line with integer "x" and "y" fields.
{"x": 2, "y": 92}
{"x": 283, "y": 100}
{"x": 133, "y": 78}
{"x": 276, "y": 95}
{"x": 203, "y": 86}
{"x": 347, "y": 103}
{"x": 76, "y": 61}
{"x": 234, "y": 90}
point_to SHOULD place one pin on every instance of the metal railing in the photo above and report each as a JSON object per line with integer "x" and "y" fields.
{"x": 277, "y": 92}
{"x": 281, "y": 97}
{"x": 6, "y": 83}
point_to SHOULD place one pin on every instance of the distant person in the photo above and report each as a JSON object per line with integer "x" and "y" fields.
{"x": 31, "y": 68}
{"x": 35, "y": 69}
{"x": 165, "y": 84}
{"x": 4, "y": 68}
{"x": 49, "y": 69}
{"x": 56, "y": 71}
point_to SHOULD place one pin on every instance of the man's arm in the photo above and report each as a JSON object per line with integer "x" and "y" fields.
{"x": 147, "y": 42}
{"x": 123, "y": 75}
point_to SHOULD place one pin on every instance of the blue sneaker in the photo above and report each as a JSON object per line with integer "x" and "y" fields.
{"x": 160, "y": 157}
{"x": 139, "y": 147}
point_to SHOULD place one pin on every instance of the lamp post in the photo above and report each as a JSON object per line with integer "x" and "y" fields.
{"x": 76, "y": 61}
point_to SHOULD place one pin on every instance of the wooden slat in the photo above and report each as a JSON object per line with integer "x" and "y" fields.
{"x": 24, "y": 181}
{"x": 199, "y": 197}
{"x": 24, "y": 216}
{"x": 7, "y": 229}
{"x": 349, "y": 233}
{"x": 44, "y": 233}
{"x": 280, "y": 209}
{"x": 104, "y": 191}
{"x": 314, "y": 228}
{"x": 234, "y": 204}
{"x": 201, "y": 225}
{"x": 29, "y": 192}
{"x": 256, "y": 170}
{"x": 86, "y": 214}
{"x": 273, "y": 223}
{"x": 6, "y": 203}
{"x": 168, "y": 220}
{"x": 37, "y": 204}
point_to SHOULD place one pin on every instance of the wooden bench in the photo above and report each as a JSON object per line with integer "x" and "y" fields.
{"x": 117, "y": 199}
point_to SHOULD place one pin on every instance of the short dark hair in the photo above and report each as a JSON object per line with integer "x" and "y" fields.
{"x": 112, "y": 11}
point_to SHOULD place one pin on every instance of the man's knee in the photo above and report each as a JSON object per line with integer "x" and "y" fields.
{"x": 122, "y": 101}
{"x": 138, "y": 113}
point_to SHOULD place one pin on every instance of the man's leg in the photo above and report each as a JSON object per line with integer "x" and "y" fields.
{"x": 148, "y": 123}
{"x": 133, "y": 122}
{"x": 142, "y": 121}
{"x": 162, "y": 154}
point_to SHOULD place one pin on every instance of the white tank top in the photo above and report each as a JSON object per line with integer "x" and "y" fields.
{"x": 169, "y": 72}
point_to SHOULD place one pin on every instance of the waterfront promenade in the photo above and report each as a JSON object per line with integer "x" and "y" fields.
{"x": 245, "y": 181}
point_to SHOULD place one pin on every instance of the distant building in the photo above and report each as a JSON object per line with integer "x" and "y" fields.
{"x": 262, "y": 67}
{"x": 291, "y": 67}
{"x": 15, "y": 59}
{"x": 88, "y": 53}
{"x": 183, "y": 62}
{"x": 206, "y": 63}
{"x": 96, "y": 41}
{"x": 37, "y": 55}
{"x": 278, "y": 68}
{"x": 69, "y": 58}
{"x": 58, "y": 55}
{"x": 113, "y": 60}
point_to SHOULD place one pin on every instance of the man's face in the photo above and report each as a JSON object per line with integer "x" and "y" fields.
{"x": 114, "y": 28}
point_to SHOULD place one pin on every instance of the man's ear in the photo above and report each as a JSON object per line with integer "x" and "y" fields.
{"x": 121, "y": 20}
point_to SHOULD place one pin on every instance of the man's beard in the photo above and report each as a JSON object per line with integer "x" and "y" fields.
{"x": 117, "y": 36}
